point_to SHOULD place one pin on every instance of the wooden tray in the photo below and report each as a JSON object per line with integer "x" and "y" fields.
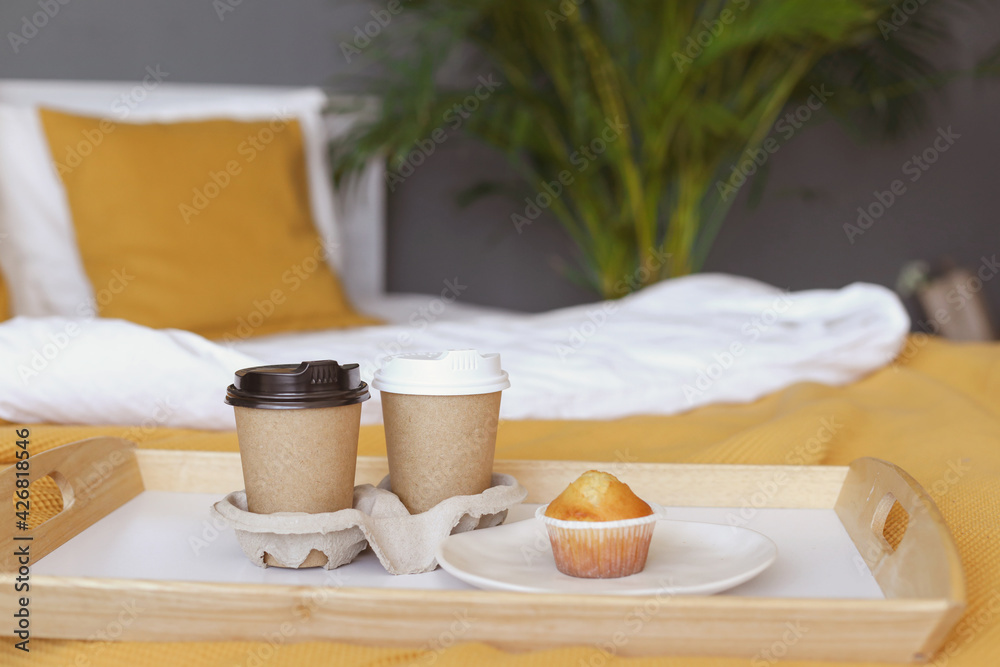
{"x": 921, "y": 578}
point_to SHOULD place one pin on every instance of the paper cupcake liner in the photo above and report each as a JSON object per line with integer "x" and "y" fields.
{"x": 600, "y": 549}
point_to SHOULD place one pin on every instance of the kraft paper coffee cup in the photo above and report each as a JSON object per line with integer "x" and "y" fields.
{"x": 298, "y": 427}
{"x": 441, "y": 412}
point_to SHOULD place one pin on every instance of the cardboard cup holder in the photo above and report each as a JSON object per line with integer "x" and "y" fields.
{"x": 404, "y": 543}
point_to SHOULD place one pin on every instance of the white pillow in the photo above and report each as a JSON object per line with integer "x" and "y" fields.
{"x": 42, "y": 268}
{"x": 38, "y": 252}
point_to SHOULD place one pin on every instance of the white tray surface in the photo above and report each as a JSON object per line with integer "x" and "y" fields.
{"x": 169, "y": 536}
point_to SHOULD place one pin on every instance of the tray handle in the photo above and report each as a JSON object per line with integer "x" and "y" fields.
{"x": 96, "y": 476}
{"x": 924, "y": 562}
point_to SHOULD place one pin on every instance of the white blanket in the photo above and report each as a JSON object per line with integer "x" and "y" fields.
{"x": 671, "y": 347}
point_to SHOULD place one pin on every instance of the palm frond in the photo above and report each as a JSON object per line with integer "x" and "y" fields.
{"x": 640, "y": 107}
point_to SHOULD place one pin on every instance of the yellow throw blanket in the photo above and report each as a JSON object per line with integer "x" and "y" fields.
{"x": 936, "y": 413}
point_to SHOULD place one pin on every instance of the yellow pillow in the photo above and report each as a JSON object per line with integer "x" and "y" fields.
{"x": 203, "y": 226}
{"x": 4, "y": 301}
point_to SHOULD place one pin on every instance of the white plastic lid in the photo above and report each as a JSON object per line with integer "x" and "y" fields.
{"x": 451, "y": 373}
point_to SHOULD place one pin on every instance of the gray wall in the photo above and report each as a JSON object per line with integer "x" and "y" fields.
{"x": 787, "y": 240}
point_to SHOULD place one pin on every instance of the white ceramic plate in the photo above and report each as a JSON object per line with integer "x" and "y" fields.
{"x": 685, "y": 558}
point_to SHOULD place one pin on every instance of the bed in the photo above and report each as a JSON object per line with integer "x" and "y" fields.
{"x": 710, "y": 368}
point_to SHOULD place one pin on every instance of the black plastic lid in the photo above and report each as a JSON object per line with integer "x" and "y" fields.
{"x": 311, "y": 384}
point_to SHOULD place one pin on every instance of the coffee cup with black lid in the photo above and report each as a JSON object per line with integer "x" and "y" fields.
{"x": 441, "y": 411}
{"x": 298, "y": 427}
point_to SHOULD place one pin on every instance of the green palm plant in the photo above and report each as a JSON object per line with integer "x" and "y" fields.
{"x": 629, "y": 114}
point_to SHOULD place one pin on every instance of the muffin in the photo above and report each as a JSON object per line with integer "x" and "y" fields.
{"x": 598, "y": 528}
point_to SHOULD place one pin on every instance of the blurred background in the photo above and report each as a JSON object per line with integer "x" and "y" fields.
{"x": 793, "y": 230}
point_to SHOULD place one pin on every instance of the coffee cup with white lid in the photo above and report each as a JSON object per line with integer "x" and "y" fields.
{"x": 441, "y": 411}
